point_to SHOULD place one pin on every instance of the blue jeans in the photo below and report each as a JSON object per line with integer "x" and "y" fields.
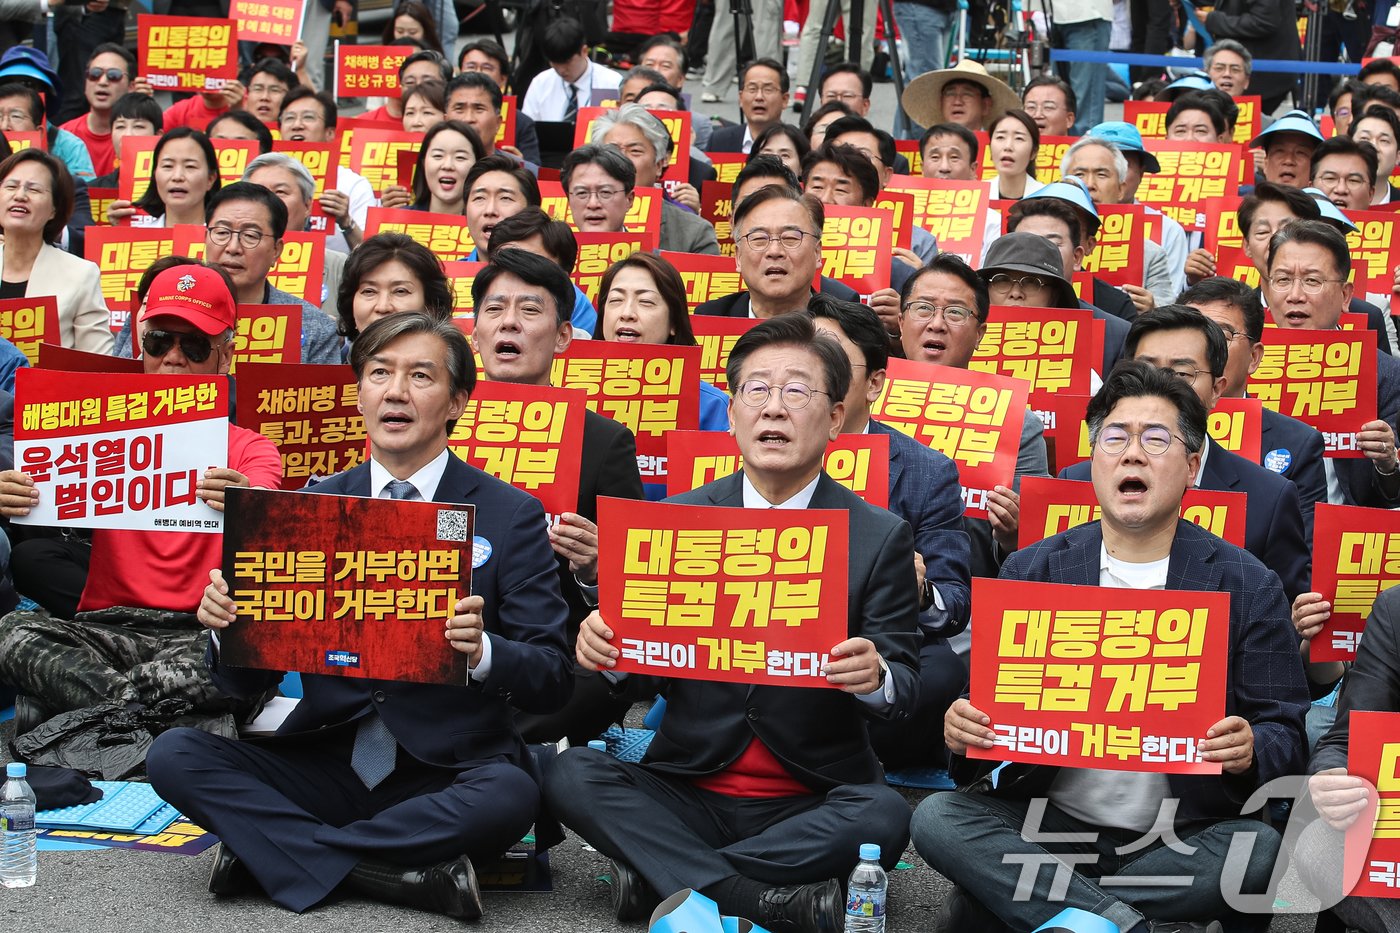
{"x": 926, "y": 32}
{"x": 1089, "y": 79}
{"x": 965, "y": 836}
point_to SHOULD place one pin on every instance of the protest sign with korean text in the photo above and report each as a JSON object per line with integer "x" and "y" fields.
{"x": 955, "y": 212}
{"x": 598, "y": 251}
{"x": 1324, "y": 378}
{"x": 1050, "y": 506}
{"x": 374, "y": 153}
{"x": 706, "y": 277}
{"x": 1356, "y": 557}
{"x": 99, "y": 200}
{"x": 972, "y": 418}
{"x": 1372, "y": 847}
{"x": 445, "y": 235}
{"x": 1237, "y": 425}
{"x": 124, "y": 254}
{"x": 266, "y": 334}
{"x": 137, "y": 167}
{"x": 1191, "y": 171}
{"x": 528, "y": 436}
{"x": 120, "y": 451}
{"x": 727, "y": 166}
{"x": 1046, "y": 347}
{"x": 368, "y": 70}
{"x": 1113, "y": 679}
{"x": 29, "y": 322}
{"x": 1066, "y": 436}
{"x": 1375, "y": 252}
{"x": 717, "y": 207}
{"x": 309, "y": 411}
{"x": 716, "y": 336}
{"x": 21, "y": 140}
{"x": 1233, "y": 263}
{"x": 460, "y": 276}
{"x": 275, "y": 21}
{"x": 860, "y": 462}
{"x": 1118, "y": 256}
{"x": 234, "y": 156}
{"x": 1220, "y": 222}
{"x": 754, "y": 596}
{"x": 642, "y": 219}
{"x": 901, "y": 205}
{"x": 856, "y": 247}
{"x": 346, "y": 585}
{"x": 186, "y": 53}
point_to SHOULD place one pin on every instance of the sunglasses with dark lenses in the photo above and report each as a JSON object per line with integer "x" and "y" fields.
{"x": 113, "y": 74}
{"x": 195, "y": 347}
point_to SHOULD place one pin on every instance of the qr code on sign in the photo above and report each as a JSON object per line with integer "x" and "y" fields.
{"x": 453, "y": 526}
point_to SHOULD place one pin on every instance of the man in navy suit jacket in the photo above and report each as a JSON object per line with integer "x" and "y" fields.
{"x": 925, "y": 492}
{"x": 1147, "y": 428}
{"x": 1181, "y": 340}
{"x": 294, "y": 810}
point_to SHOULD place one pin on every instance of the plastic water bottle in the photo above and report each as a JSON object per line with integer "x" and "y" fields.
{"x": 866, "y": 893}
{"x": 18, "y": 863}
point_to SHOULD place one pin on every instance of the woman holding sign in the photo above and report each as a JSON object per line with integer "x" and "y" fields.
{"x": 184, "y": 176}
{"x": 449, "y": 151}
{"x": 36, "y": 200}
{"x": 1014, "y": 141}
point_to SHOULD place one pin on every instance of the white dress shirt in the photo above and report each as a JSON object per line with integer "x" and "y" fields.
{"x": 548, "y": 95}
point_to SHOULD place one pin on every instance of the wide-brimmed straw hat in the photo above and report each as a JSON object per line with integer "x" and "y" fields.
{"x": 923, "y": 98}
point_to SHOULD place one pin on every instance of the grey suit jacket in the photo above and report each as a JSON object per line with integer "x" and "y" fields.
{"x": 684, "y": 232}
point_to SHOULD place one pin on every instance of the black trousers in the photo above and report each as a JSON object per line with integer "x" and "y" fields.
{"x": 294, "y": 811}
{"x": 591, "y": 709}
{"x": 52, "y": 571}
{"x": 918, "y": 741}
{"x": 678, "y": 836}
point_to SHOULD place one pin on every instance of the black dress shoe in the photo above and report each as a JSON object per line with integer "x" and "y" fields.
{"x": 229, "y": 876}
{"x": 633, "y": 899}
{"x": 449, "y": 888}
{"x": 807, "y": 908}
{"x": 30, "y": 714}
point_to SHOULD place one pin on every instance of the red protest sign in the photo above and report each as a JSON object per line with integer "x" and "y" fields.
{"x": 1062, "y": 416}
{"x": 860, "y": 462}
{"x": 137, "y": 167}
{"x": 1049, "y": 348}
{"x": 460, "y": 276}
{"x": 186, "y": 53}
{"x": 310, "y": 412}
{"x": 368, "y": 70}
{"x": 735, "y": 595}
{"x": 727, "y": 166}
{"x": 1220, "y": 222}
{"x": 1231, "y": 262}
{"x": 717, "y": 207}
{"x": 234, "y": 156}
{"x": 1149, "y": 116}
{"x": 1372, "y": 847}
{"x": 528, "y": 436}
{"x": 29, "y": 322}
{"x": 901, "y": 204}
{"x": 1324, "y": 378}
{"x": 300, "y": 267}
{"x": 374, "y": 153}
{"x": 716, "y": 337}
{"x": 955, "y": 212}
{"x": 345, "y": 585}
{"x": 597, "y": 252}
{"x": 68, "y": 360}
{"x": 706, "y": 277}
{"x": 1115, "y": 679}
{"x": 1356, "y": 557}
{"x": 1118, "y": 257}
{"x": 124, "y": 254}
{"x": 267, "y": 334}
{"x": 856, "y": 247}
{"x": 21, "y": 140}
{"x": 446, "y": 235}
{"x": 275, "y": 21}
{"x": 1236, "y": 424}
{"x": 505, "y": 132}
{"x": 1050, "y": 506}
{"x": 652, "y": 389}
{"x": 320, "y": 159}
{"x": 99, "y": 199}
{"x": 643, "y": 218}
{"x": 973, "y": 418}
{"x": 120, "y": 451}
{"x": 1375, "y": 252}
{"x": 1191, "y": 172}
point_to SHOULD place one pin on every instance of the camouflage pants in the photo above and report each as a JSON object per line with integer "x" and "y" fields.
{"x": 124, "y": 654}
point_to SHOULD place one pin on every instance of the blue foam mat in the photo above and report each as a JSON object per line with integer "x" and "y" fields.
{"x": 627, "y": 744}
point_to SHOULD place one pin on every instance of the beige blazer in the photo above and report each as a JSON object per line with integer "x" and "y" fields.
{"x": 83, "y": 321}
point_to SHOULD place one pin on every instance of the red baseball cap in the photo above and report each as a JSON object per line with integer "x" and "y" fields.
{"x": 196, "y": 294}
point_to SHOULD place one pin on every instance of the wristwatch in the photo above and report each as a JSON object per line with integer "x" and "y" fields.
{"x": 927, "y": 591}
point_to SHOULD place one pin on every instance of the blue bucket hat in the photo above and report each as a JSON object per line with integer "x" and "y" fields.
{"x": 1196, "y": 81}
{"x": 1071, "y": 190}
{"x": 1329, "y": 210}
{"x": 1294, "y": 121}
{"x": 22, "y": 61}
{"x": 1127, "y": 138}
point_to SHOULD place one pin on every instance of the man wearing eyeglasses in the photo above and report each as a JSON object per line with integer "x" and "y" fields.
{"x": 1148, "y": 429}
{"x": 1051, "y": 104}
{"x": 760, "y": 796}
{"x": 1346, "y": 171}
{"x": 422, "y": 67}
{"x": 1229, "y": 65}
{"x": 246, "y": 223}
{"x": 599, "y": 182}
{"x": 778, "y": 239}
{"x": 1307, "y": 288}
{"x": 109, "y": 73}
{"x": 134, "y": 637}
{"x": 1191, "y": 347}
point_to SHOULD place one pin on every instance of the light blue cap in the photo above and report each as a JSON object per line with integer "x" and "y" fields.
{"x": 1195, "y": 81}
{"x": 1071, "y": 189}
{"x": 1294, "y": 121}
{"x": 869, "y": 852}
{"x": 1329, "y": 210}
{"x": 1126, "y": 137}
{"x": 16, "y": 769}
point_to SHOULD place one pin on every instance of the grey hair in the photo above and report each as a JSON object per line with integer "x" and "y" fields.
{"x": 1120, "y": 161}
{"x": 1230, "y": 45}
{"x": 636, "y": 115}
{"x": 305, "y": 182}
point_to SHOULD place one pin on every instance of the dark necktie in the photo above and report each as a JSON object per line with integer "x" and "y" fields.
{"x": 571, "y": 110}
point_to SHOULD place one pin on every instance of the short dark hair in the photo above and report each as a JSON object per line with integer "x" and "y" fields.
{"x": 556, "y": 235}
{"x": 329, "y": 109}
{"x": 764, "y": 166}
{"x": 1198, "y": 101}
{"x": 271, "y": 66}
{"x": 62, "y": 193}
{"x": 487, "y": 47}
{"x": 1149, "y": 88}
{"x": 815, "y": 212}
{"x": 257, "y": 194}
{"x": 1028, "y": 123}
{"x": 1364, "y": 95}
{"x": 500, "y": 162}
{"x": 133, "y": 106}
{"x": 852, "y": 163}
{"x": 113, "y": 48}
{"x": 608, "y": 158}
{"x": 669, "y": 285}
{"x": 1136, "y": 379}
{"x": 150, "y": 201}
{"x": 476, "y": 81}
{"x": 1377, "y": 112}
{"x": 434, "y": 94}
{"x": 1180, "y": 317}
{"x": 651, "y": 75}
{"x": 793, "y": 330}
{"x": 562, "y": 39}
{"x": 1317, "y": 233}
{"x": 1340, "y": 90}
{"x": 1048, "y": 207}
{"x": 823, "y": 111}
{"x": 668, "y": 39}
{"x": 664, "y": 88}
{"x": 531, "y": 269}
{"x": 1299, "y": 202}
{"x": 1345, "y": 145}
{"x": 1231, "y": 292}
{"x": 964, "y": 134}
{"x": 428, "y": 55}
{"x": 246, "y": 120}
{"x": 860, "y": 325}
{"x": 36, "y": 103}
{"x": 1063, "y": 86}
{"x": 461, "y": 368}
{"x": 861, "y": 125}
{"x": 867, "y": 83}
{"x": 421, "y": 195}
{"x": 374, "y": 252}
{"x": 783, "y": 81}
{"x": 1379, "y": 66}
{"x": 954, "y": 265}
{"x": 791, "y": 133}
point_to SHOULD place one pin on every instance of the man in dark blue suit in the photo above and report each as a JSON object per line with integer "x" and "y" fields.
{"x": 924, "y": 491}
{"x": 1148, "y": 429}
{"x": 760, "y": 796}
{"x": 393, "y": 788}
{"x": 1192, "y": 348}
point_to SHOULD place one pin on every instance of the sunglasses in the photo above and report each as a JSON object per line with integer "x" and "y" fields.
{"x": 113, "y": 74}
{"x": 195, "y": 347}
